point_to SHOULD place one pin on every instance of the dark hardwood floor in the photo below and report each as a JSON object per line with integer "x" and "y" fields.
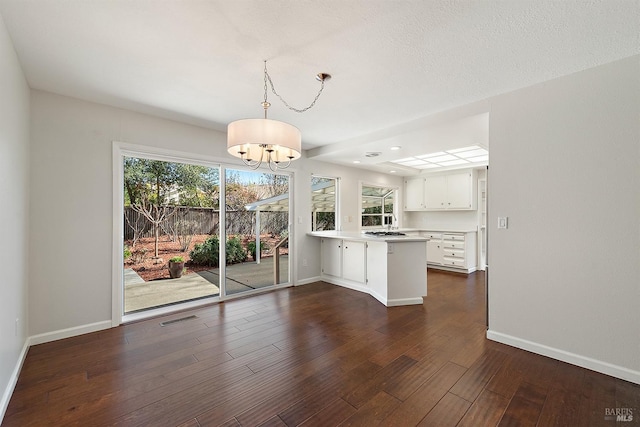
{"x": 314, "y": 355}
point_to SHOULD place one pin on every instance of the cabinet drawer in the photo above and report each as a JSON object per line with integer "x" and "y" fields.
{"x": 453, "y": 261}
{"x": 449, "y": 244}
{"x": 455, "y": 237}
{"x": 456, "y": 253}
{"x": 432, "y": 236}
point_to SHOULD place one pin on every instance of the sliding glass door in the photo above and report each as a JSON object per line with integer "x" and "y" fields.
{"x": 192, "y": 231}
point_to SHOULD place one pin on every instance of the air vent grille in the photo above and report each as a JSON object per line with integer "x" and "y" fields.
{"x": 182, "y": 319}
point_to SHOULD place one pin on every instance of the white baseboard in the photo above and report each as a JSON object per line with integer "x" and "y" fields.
{"x": 565, "y": 356}
{"x": 404, "y": 301}
{"x": 13, "y": 380}
{"x": 70, "y": 332}
{"x": 308, "y": 280}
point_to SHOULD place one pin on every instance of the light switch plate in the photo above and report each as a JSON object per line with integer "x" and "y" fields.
{"x": 503, "y": 222}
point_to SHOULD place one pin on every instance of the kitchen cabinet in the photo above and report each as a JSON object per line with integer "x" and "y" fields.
{"x": 452, "y": 251}
{"x": 414, "y": 194}
{"x": 389, "y": 268}
{"x": 354, "y": 260}
{"x": 446, "y": 191}
{"x": 344, "y": 259}
{"x": 332, "y": 257}
{"x": 434, "y": 248}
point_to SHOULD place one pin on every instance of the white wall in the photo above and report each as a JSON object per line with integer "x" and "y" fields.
{"x": 14, "y": 215}
{"x": 72, "y": 210}
{"x": 565, "y": 169}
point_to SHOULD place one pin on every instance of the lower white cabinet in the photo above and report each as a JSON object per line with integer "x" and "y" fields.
{"x": 452, "y": 251}
{"x": 434, "y": 248}
{"x": 332, "y": 257}
{"x": 354, "y": 260}
{"x": 344, "y": 259}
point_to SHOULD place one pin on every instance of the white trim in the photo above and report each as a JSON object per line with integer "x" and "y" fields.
{"x": 347, "y": 284}
{"x": 13, "y": 380}
{"x": 565, "y": 356}
{"x": 309, "y": 280}
{"x": 452, "y": 269}
{"x": 169, "y": 309}
{"x": 69, "y": 332}
{"x": 404, "y": 301}
{"x": 365, "y": 289}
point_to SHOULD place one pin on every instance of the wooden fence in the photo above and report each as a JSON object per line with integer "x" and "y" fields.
{"x": 204, "y": 221}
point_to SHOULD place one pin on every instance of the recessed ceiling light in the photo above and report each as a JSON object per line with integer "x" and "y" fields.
{"x": 392, "y": 171}
{"x": 356, "y": 161}
{"x": 395, "y": 147}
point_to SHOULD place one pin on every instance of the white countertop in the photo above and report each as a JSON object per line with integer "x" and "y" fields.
{"x": 356, "y": 235}
{"x": 439, "y": 230}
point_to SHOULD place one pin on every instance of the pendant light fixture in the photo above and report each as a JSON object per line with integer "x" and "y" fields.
{"x": 273, "y": 142}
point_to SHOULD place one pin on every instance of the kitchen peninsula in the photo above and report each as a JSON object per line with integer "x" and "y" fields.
{"x": 389, "y": 267}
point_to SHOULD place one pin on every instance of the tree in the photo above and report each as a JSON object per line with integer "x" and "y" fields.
{"x": 153, "y": 188}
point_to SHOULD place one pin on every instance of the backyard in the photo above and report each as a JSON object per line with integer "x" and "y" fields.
{"x": 143, "y": 263}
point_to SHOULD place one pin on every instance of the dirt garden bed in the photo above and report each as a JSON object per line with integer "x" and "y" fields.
{"x": 142, "y": 262}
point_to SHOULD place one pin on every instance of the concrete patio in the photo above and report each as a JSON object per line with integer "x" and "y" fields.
{"x": 140, "y": 295}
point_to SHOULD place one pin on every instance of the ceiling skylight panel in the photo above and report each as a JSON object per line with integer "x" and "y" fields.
{"x": 459, "y": 150}
{"x": 427, "y": 166}
{"x": 453, "y": 162}
{"x": 472, "y": 153}
{"x": 429, "y": 156}
{"x": 440, "y": 159}
{"x": 413, "y": 162}
{"x": 401, "y": 161}
{"x": 479, "y": 159}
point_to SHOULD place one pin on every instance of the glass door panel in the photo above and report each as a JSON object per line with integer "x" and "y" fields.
{"x": 256, "y": 230}
{"x": 171, "y": 214}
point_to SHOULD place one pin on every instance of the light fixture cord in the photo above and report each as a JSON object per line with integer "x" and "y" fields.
{"x": 265, "y": 103}
{"x": 273, "y": 89}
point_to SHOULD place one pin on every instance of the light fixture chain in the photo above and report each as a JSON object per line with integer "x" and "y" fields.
{"x": 273, "y": 89}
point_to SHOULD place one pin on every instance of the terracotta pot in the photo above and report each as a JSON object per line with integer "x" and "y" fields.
{"x": 176, "y": 269}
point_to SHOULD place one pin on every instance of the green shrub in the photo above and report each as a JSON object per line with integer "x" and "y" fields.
{"x": 127, "y": 252}
{"x": 176, "y": 259}
{"x": 251, "y": 247}
{"x": 207, "y": 253}
{"x": 235, "y": 251}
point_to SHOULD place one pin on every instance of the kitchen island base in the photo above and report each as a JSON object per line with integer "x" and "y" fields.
{"x": 391, "y": 269}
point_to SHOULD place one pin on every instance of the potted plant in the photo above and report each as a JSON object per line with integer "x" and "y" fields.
{"x": 176, "y": 267}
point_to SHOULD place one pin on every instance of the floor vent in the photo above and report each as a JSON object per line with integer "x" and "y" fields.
{"x": 182, "y": 319}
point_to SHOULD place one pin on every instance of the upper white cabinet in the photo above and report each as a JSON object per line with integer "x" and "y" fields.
{"x": 414, "y": 194}
{"x": 447, "y": 191}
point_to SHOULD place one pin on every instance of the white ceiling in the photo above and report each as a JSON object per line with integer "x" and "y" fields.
{"x": 394, "y": 62}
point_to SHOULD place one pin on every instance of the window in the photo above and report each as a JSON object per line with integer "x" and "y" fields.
{"x": 323, "y": 203}
{"x": 378, "y": 206}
